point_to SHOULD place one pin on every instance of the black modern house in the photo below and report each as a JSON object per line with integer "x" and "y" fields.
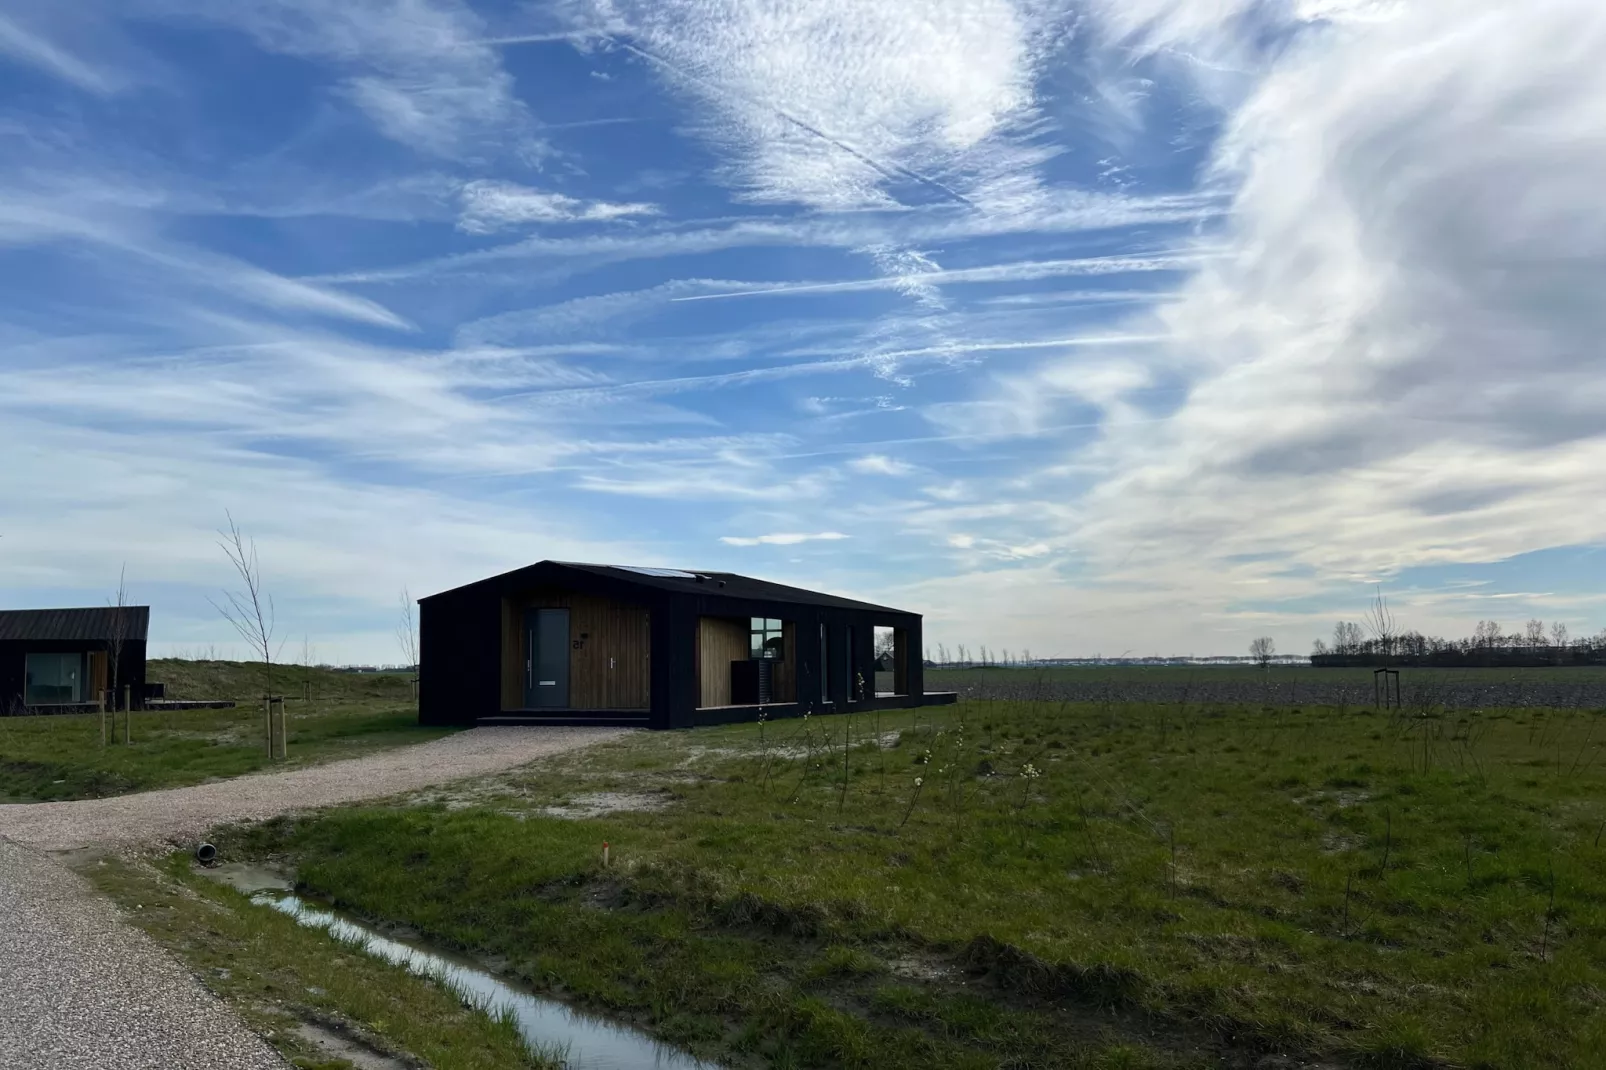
{"x": 65, "y": 660}
{"x": 562, "y": 642}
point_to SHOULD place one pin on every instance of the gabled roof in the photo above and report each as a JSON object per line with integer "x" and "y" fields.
{"x": 725, "y": 584}
{"x": 92, "y": 624}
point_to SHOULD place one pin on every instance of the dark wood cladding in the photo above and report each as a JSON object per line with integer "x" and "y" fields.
{"x": 14, "y": 668}
{"x": 671, "y": 641}
{"x": 610, "y": 650}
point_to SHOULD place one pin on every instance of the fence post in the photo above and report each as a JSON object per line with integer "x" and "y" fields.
{"x": 284, "y": 729}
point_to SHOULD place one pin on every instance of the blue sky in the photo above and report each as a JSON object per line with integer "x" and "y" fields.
{"x": 1153, "y": 325}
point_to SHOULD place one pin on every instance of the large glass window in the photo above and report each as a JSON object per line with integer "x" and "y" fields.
{"x": 54, "y": 679}
{"x": 767, "y": 639}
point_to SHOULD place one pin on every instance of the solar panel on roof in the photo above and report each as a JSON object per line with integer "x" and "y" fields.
{"x": 667, "y": 573}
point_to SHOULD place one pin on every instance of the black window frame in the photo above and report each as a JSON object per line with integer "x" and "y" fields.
{"x": 766, "y": 643}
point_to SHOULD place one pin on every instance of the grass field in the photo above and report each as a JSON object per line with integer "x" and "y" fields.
{"x": 330, "y": 715}
{"x": 1569, "y": 687}
{"x": 1009, "y": 883}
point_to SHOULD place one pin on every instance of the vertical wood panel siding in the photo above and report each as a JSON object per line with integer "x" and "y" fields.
{"x": 720, "y": 641}
{"x": 610, "y": 669}
{"x": 98, "y": 662}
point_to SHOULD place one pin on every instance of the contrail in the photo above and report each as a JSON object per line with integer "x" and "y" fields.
{"x": 889, "y": 171}
{"x": 1032, "y": 269}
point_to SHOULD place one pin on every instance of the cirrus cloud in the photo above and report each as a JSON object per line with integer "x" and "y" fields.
{"x": 780, "y": 538}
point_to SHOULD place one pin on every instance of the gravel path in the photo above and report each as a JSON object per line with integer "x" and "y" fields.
{"x": 181, "y": 815}
{"x": 82, "y": 990}
{"x": 79, "y": 987}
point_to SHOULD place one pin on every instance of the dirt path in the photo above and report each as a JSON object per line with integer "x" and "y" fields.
{"x": 181, "y": 815}
{"x": 81, "y": 988}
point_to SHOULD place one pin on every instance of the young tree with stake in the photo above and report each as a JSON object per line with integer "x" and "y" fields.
{"x": 116, "y": 639}
{"x": 407, "y": 637}
{"x": 249, "y": 611}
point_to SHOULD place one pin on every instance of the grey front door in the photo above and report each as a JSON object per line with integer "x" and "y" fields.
{"x": 546, "y": 651}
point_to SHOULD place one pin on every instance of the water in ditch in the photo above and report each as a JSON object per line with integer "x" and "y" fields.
{"x": 586, "y": 1041}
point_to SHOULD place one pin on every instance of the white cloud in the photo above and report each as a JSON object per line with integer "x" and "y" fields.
{"x": 842, "y": 104}
{"x": 421, "y": 69}
{"x": 333, "y": 551}
{"x": 28, "y": 218}
{"x": 1399, "y": 361}
{"x": 25, "y": 46}
{"x": 489, "y": 206}
{"x": 1017, "y": 271}
{"x": 780, "y": 538}
{"x": 596, "y": 314}
{"x": 881, "y": 465}
{"x": 1061, "y": 212}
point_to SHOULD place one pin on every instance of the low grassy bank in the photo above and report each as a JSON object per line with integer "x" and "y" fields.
{"x": 1021, "y": 884}
{"x": 290, "y": 983}
{"x": 330, "y": 715}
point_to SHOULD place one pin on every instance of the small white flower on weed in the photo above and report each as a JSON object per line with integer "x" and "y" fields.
{"x": 919, "y": 780}
{"x": 1030, "y": 772}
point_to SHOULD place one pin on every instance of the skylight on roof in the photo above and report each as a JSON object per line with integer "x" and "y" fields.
{"x": 666, "y": 573}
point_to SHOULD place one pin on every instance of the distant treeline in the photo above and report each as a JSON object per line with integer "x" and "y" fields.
{"x": 1489, "y": 645}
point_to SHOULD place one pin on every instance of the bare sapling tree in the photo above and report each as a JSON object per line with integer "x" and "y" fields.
{"x": 407, "y": 637}
{"x": 249, "y": 610}
{"x": 116, "y": 639}
{"x": 1263, "y": 650}
{"x": 306, "y": 670}
{"x": 1381, "y": 623}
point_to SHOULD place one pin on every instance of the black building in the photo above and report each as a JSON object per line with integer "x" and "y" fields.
{"x": 568, "y": 643}
{"x": 60, "y": 660}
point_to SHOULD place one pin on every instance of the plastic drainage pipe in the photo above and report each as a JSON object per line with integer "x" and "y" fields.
{"x": 206, "y": 854}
